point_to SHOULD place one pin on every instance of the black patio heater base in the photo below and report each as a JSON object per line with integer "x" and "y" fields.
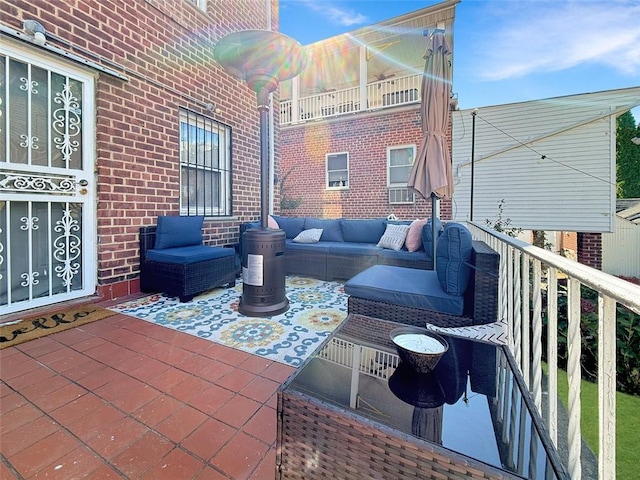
{"x": 263, "y": 273}
{"x": 262, "y": 58}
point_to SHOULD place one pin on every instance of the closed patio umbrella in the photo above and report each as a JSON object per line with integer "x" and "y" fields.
{"x": 431, "y": 172}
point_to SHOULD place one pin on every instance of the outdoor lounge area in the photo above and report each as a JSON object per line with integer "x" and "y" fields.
{"x": 125, "y": 398}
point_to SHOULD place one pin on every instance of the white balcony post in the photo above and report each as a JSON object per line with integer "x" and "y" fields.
{"x": 363, "y": 77}
{"x": 295, "y": 99}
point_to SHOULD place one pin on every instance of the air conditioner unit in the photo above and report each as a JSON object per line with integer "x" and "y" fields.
{"x": 400, "y": 195}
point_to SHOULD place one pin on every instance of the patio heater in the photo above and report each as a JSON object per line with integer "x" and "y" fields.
{"x": 262, "y": 58}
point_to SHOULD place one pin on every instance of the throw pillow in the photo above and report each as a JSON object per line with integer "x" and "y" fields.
{"x": 394, "y": 237}
{"x": 271, "y": 223}
{"x": 175, "y": 231}
{"x": 414, "y": 237}
{"x": 312, "y": 235}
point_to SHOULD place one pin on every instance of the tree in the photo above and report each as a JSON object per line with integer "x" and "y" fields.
{"x": 628, "y": 157}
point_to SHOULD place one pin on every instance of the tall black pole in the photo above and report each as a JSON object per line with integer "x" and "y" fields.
{"x": 473, "y": 157}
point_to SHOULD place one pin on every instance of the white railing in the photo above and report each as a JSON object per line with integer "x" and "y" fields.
{"x": 386, "y": 93}
{"x": 526, "y": 272}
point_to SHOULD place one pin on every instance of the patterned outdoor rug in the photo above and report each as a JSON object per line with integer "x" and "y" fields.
{"x": 316, "y": 309}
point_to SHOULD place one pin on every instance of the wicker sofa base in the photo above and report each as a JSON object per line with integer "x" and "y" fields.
{"x": 480, "y": 298}
{"x": 183, "y": 280}
{"x": 317, "y": 440}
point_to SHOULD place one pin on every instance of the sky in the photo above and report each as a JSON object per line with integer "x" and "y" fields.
{"x": 505, "y": 51}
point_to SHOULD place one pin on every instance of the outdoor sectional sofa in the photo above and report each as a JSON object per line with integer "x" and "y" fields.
{"x": 346, "y": 246}
{"x": 398, "y": 285}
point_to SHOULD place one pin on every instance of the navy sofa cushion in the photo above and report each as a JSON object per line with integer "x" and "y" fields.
{"x": 175, "y": 231}
{"x": 353, "y": 249}
{"x": 331, "y": 231}
{"x": 188, "y": 255}
{"x": 403, "y": 255}
{"x": 453, "y": 258}
{"x": 427, "y": 235}
{"x": 409, "y": 287}
{"x": 292, "y": 226}
{"x": 362, "y": 231}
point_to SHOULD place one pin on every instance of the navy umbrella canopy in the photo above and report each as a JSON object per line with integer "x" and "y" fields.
{"x": 431, "y": 172}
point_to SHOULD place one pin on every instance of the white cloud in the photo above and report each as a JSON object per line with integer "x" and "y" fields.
{"x": 534, "y": 37}
{"x": 335, "y": 14}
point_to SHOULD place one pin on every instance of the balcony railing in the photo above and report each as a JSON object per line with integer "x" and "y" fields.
{"x": 528, "y": 275}
{"x": 383, "y": 94}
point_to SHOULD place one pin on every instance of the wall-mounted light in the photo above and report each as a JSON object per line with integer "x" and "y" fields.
{"x": 211, "y": 108}
{"x": 36, "y": 30}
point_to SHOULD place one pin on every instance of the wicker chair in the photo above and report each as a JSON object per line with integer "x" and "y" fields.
{"x": 480, "y": 304}
{"x": 184, "y": 271}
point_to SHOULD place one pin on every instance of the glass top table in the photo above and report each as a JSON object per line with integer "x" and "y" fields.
{"x": 380, "y": 419}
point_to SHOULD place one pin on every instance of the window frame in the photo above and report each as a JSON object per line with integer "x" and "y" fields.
{"x": 400, "y": 185}
{"x": 213, "y": 171}
{"x": 327, "y": 171}
{"x": 201, "y": 4}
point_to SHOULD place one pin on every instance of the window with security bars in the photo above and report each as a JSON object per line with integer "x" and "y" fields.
{"x": 205, "y": 166}
{"x": 399, "y": 163}
{"x": 338, "y": 170}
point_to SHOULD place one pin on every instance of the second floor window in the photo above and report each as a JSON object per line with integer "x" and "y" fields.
{"x": 338, "y": 170}
{"x": 399, "y": 164}
{"x": 205, "y": 166}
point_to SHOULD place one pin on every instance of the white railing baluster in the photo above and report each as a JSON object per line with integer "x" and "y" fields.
{"x": 552, "y": 353}
{"x": 517, "y": 307}
{"x": 536, "y": 353}
{"x": 606, "y": 385}
{"x": 575, "y": 377}
{"x": 525, "y": 362}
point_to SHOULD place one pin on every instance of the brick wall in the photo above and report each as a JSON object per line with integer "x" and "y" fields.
{"x": 166, "y": 48}
{"x": 366, "y": 137}
{"x": 590, "y": 249}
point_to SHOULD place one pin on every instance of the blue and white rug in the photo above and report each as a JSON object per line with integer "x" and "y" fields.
{"x": 316, "y": 309}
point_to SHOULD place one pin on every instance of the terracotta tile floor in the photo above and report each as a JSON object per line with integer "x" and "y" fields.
{"x": 123, "y": 398}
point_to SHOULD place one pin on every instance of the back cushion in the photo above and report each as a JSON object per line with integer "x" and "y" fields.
{"x": 292, "y": 226}
{"x": 427, "y": 235}
{"x": 453, "y": 258}
{"x": 362, "y": 231}
{"x": 175, "y": 231}
{"x": 331, "y": 231}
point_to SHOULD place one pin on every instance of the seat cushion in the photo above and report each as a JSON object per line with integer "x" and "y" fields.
{"x": 331, "y": 231}
{"x": 175, "y": 231}
{"x": 362, "y": 231}
{"x": 188, "y": 255}
{"x": 408, "y": 287}
{"x": 453, "y": 258}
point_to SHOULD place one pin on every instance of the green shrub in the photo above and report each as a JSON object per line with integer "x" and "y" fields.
{"x": 627, "y": 334}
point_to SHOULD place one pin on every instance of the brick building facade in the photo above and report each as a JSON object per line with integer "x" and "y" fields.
{"x": 165, "y": 51}
{"x": 366, "y": 137}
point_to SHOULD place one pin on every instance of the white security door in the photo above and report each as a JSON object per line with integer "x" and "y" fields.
{"x": 47, "y": 191}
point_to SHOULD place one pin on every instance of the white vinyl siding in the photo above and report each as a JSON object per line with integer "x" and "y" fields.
{"x": 552, "y": 161}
